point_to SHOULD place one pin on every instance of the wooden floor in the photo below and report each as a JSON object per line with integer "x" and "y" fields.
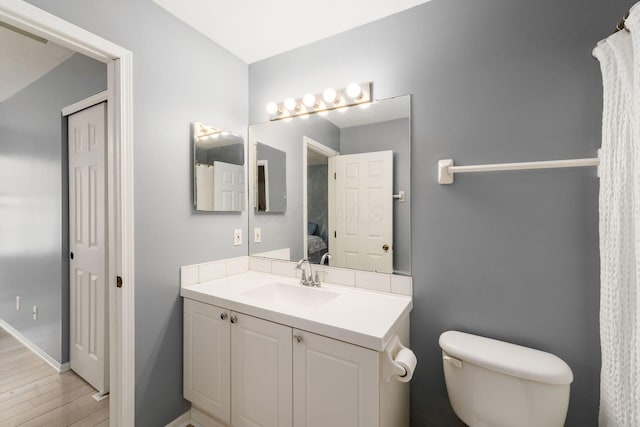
{"x": 34, "y": 394}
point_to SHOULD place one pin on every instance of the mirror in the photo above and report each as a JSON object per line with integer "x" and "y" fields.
{"x": 347, "y": 175}
{"x": 271, "y": 179}
{"x": 218, "y": 169}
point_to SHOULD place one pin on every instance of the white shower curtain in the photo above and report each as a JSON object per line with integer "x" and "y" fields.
{"x": 619, "y": 57}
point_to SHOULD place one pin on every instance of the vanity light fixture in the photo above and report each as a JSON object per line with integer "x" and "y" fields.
{"x": 272, "y": 108}
{"x": 291, "y": 104}
{"x": 204, "y": 132}
{"x": 329, "y": 99}
{"x": 201, "y": 131}
{"x": 331, "y": 96}
{"x": 309, "y": 100}
{"x": 354, "y": 91}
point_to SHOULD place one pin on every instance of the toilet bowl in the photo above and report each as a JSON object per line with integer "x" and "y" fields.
{"x": 493, "y": 383}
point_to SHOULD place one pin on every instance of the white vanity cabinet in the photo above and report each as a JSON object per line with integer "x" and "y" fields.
{"x": 260, "y": 373}
{"x": 245, "y": 371}
{"x": 223, "y": 348}
{"x": 207, "y": 358}
{"x": 334, "y": 383}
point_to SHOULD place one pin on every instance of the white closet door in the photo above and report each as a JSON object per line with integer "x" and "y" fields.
{"x": 88, "y": 246}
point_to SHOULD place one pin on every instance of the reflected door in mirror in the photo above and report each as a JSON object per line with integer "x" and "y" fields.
{"x": 363, "y": 212}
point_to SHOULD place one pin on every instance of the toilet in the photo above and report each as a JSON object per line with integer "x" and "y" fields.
{"x": 493, "y": 383}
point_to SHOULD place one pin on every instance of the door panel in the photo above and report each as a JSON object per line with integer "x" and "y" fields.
{"x": 228, "y": 186}
{"x": 335, "y": 384}
{"x": 207, "y": 358}
{"x": 261, "y": 373}
{"x": 364, "y": 218}
{"x": 87, "y": 229}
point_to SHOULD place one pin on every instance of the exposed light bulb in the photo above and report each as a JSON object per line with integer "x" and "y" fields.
{"x": 354, "y": 91}
{"x": 290, "y": 104}
{"x": 216, "y": 135}
{"x": 330, "y": 95}
{"x": 272, "y": 108}
{"x": 225, "y": 133}
{"x": 309, "y": 100}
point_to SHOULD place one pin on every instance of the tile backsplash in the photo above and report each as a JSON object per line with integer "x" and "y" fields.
{"x": 198, "y": 273}
{"x": 389, "y": 283}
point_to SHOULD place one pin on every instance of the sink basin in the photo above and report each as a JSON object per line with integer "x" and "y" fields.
{"x": 291, "y": 295}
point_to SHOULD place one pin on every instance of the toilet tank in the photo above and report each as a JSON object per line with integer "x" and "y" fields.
{"x": 499, "y": 384}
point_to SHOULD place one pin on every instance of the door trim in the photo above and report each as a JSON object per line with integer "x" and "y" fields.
{"x": 312, "y": 144}
{"x": 85, "y": 103}
{"x": 119, "y": 176}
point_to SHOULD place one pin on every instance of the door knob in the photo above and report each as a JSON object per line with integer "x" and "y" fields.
{"x": 233, "y": 319}
{"x": 298, "y": 338}
{"x": 385, "y": 247}
{"x": 223, "y": 316}
{"x": 71, "y": 255}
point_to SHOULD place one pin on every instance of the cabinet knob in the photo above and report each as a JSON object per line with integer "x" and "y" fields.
{"x": 223, "y": 316}
{"x": 233, "y": 319}
{"x": 298, "y": 338}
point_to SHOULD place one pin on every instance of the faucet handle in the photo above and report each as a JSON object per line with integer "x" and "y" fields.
{"x": 316, "y": 280}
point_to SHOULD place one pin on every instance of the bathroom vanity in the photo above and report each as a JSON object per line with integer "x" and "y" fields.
{"x": 260, "y": 349}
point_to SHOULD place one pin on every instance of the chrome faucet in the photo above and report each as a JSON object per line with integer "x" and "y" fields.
{"x": 305, "y": 279}
{"x": 325, "y": 256}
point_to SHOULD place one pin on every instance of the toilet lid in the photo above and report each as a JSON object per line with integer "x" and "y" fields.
{"x": 507, "y": 358}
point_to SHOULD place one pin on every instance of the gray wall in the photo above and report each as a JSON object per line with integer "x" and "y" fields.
{"x": 284, "y": 230}
{"x": 511, "y": 255}
{"x": 379, "y": 137}
{"x": 179, "y": 77}
{"x": 34, "y": 202}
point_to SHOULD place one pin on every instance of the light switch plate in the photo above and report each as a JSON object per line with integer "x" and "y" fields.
{"x": 257, "y": 235}
{"x": 237, "y": 237}
{"x": 18, "y": 303}
{"x": 35, "y": 312}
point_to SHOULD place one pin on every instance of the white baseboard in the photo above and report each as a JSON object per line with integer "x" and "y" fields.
{"x": 182, "y": 421}
{"x": 34, "y": 348}
{"x": 196, "y": 418}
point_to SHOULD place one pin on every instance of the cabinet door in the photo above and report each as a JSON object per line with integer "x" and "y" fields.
{"x": 261, "y": 373}
{"x": 207, "y": 381}
{"x": 334, "y": 383}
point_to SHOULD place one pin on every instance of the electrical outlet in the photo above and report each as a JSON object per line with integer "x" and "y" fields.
{"x": 257, "y": 235}
{"x": 237, "y": 236}
{"x": 17, "y": 303}
{"x": 35, "y": 312}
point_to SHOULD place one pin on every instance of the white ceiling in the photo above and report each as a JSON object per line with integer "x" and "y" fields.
{"x": 24, "y": 60}
{"x": 257, "y": 29}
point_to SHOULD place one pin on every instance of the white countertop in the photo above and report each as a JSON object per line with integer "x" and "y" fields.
{"x": 365, "y": 318}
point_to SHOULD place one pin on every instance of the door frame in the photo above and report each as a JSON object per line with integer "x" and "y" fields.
{"x": 119, "y": 179}
{"x": 312, "y": 144}
{"x": 264, "y": 164}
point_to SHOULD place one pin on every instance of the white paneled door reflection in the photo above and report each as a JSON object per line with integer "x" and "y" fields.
{"x": 87, "y": 232}
{"x": 364, "y": 211}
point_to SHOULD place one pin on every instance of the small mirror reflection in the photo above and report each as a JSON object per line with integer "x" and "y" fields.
{"x": 218, "y": 169}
